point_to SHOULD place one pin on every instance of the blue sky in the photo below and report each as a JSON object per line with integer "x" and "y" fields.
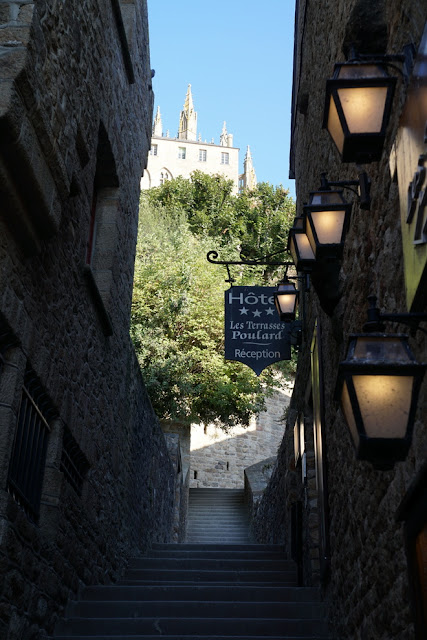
{"x": 237, "y": 55}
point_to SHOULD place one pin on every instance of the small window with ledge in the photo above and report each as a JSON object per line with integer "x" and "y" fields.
{"x": 202, "y": 155}
{"x": 102, "y": 235}
{"x": 181, "y": 153}
{"x": 164, "y": 176}
{"x": 153, "y": 150}
{"x": 225, "y": 158}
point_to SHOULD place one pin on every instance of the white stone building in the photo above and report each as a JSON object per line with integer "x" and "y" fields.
{"x": 180, "y": 156}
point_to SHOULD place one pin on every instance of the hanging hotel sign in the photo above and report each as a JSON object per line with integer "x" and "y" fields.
{"x": 254, "y": 334}
{"x": 411, "y": 165}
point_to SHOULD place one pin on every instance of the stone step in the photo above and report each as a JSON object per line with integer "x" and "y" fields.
{"x": 213, "y": 564}
{"x": 234, "y": 554}
{"x": 226, "y": 530}
{"x": 211, "y": 539}
{"x": 229, "y": 516}
{"x": 194, "y": 609}
{"x": 213, "y": 523}
{"x": 164, "y": 575}
{"x": 193, "y": 637}
{"x": 210, "y": 592}
{"x": 270, "y": 548}
{"x": 248, "y": 627}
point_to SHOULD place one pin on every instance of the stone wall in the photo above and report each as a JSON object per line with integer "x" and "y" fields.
{"x": 363, "y": 569}
{"x": 181, "y": 489}
{"x": 219, "y": 458}
{"x": 75, "y": 116}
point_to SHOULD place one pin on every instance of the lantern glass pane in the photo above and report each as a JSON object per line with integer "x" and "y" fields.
{"x": 326, "y": 197}
{"x": 348, "y": 414}
{"x": 329, "y": 226}
{"x": 304, "y": 248}
{"x": 363, "y": 108}
{"x": 381, "y": 350}
{"x": 299, "y": 223}
{"x": 286, "y": 302}
{"x": 384, "y": 403}
{"x": 334, "y": 126}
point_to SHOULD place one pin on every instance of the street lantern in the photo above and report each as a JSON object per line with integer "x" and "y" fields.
{"x": 286, "y": 300}
{"x": 299, "y": 246}
{"x": 357, "y": 109}
{"x": 327, "y": 219}
{"x": 378, "y": 387}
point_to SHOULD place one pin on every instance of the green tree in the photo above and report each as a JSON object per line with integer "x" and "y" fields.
{"x": 177, "y": 309}
{"x": 177, "y": 327}
{"x": 255, "y": 222}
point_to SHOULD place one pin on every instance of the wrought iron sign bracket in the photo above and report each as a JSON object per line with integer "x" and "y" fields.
{"x": 212, "y": 257}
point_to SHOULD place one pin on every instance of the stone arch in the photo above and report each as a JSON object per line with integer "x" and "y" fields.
{"x": 146, "y": 180}
{"x": 164, "y": 175}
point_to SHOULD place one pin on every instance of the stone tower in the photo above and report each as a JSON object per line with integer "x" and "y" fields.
{"x": 188, "y": 119}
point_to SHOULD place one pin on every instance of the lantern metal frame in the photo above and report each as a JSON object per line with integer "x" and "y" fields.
{"x": 288, "y": 288}
{"x": 335, "y": 250}
{"x": 365, "y": 147}
{"x": 382, "y": 452}
{"x": 322, "y": 250}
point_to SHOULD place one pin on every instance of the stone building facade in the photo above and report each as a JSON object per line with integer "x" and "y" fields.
{"x": 86, "y": 478}
{"x": 358, "y": 531}
{"x": 180, "y": 156}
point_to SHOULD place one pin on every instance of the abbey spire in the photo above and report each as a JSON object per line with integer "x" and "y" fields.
{"x": 248, "y": 178}
{"x": 188, "y": 119}
{"x": 157, "y": 126}
{"x": 223, "y": 139}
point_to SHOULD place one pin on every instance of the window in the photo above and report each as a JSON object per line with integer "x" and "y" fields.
{"x": 225, "y": 158}
{"x": 164, "y": 176}
{"x": 28, "y": 459}
{"x": 202, "y": 155}
{"x": 181, "y": 153}
{"x": 153, "y": 150}
{"x": 102, "y": 236}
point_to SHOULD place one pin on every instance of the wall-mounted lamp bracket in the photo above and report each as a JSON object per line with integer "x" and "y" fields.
{"x": 363, "y": 187}
{"x": 375, "y": 321}
{"x": 407, "y": 58}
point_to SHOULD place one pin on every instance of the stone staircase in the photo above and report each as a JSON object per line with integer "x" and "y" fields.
{"x": 201, "y": 591}
{"x": 217, "y": 516}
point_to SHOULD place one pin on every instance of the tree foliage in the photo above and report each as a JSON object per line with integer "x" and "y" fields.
{"x": 177, "y": 310}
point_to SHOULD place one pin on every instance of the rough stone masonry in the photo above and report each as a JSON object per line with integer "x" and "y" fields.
{"x": 85, "y": 475}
